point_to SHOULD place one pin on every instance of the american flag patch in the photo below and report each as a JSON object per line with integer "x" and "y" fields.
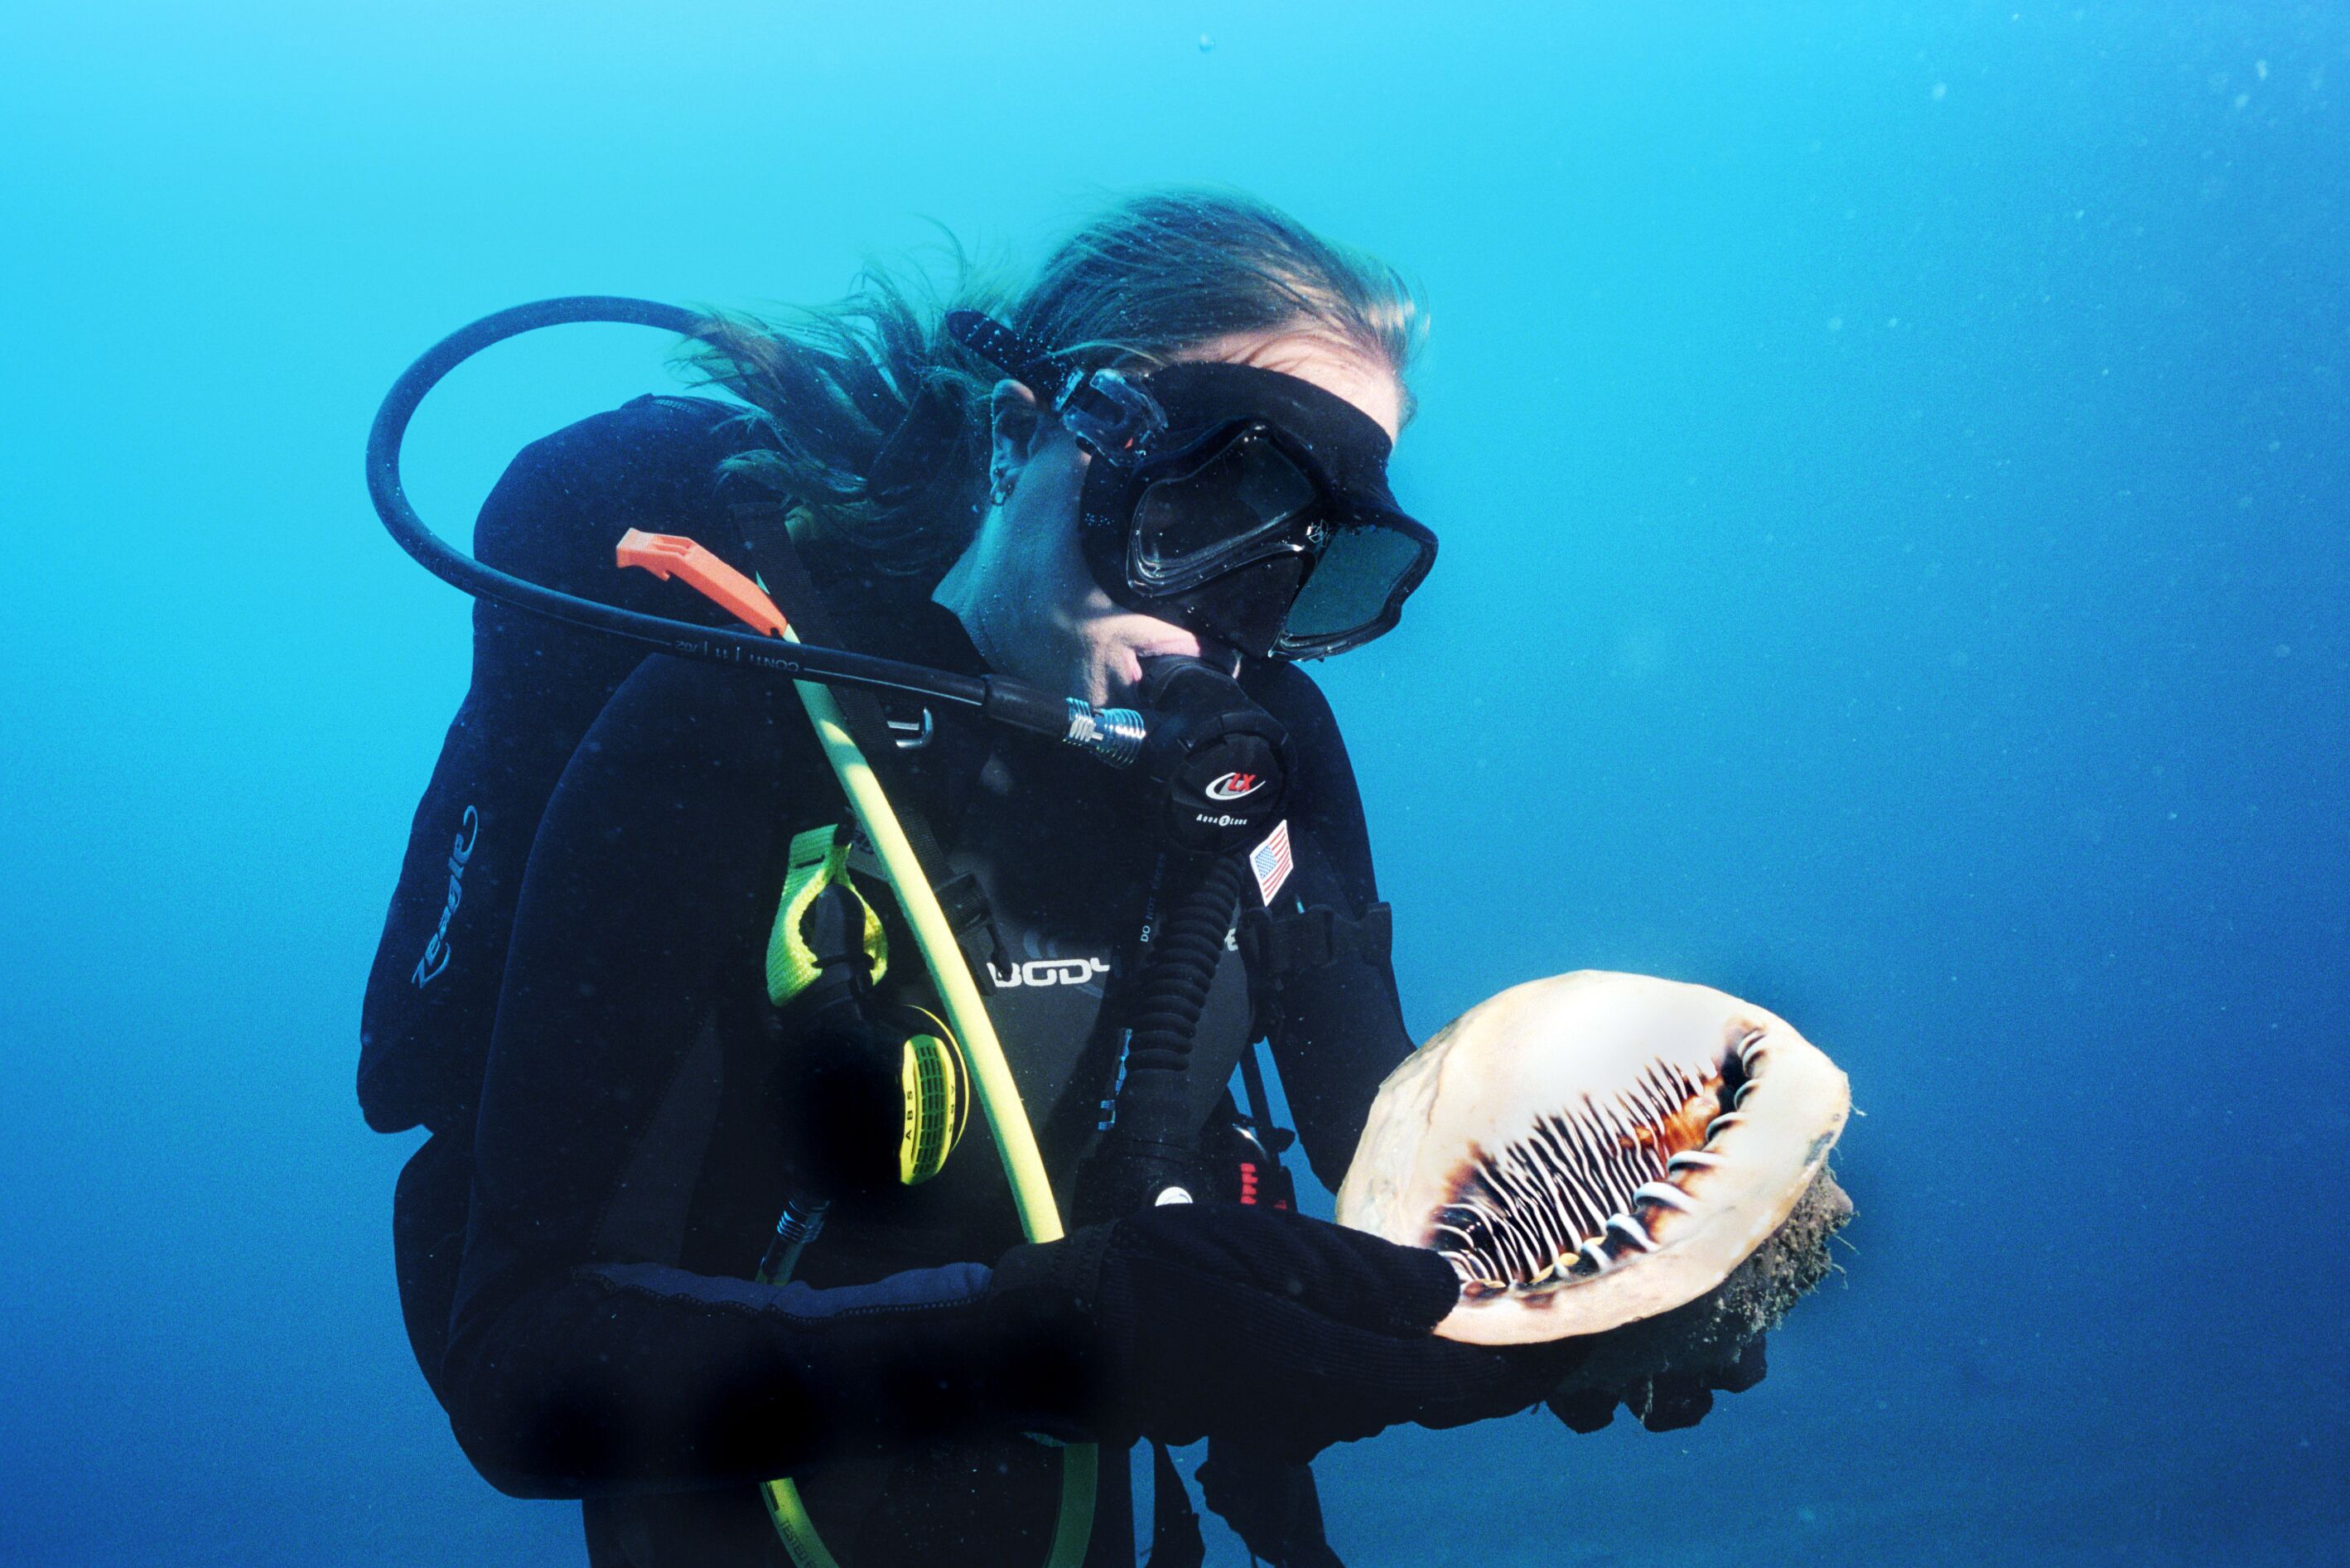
{"x": 1271, "y": 862}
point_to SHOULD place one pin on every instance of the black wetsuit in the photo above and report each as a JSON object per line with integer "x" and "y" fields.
{"x": 577, "y": 1237}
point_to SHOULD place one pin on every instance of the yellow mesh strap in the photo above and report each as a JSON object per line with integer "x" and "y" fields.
{"x": 818, "y": 858}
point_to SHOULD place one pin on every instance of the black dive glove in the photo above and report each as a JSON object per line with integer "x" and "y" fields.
{"x": 1666, "y": 1402}
{"x": 1194, "y": 1318}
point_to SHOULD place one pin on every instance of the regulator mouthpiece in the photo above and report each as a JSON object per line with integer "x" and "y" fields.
{"x": 1219, "y": 761}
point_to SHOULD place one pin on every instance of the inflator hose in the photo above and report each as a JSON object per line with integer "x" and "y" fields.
{"x": 1151, "y": 1144}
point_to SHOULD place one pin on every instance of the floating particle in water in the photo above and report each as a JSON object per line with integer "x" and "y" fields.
{"x": 1207, "y": 42}
{"x": 1942, "y": 91}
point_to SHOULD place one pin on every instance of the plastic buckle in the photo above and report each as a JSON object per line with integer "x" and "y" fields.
{"x": 1112, "y": 415}
{"x": 965, "y": 904}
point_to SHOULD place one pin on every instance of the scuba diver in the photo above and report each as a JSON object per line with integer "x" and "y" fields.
{"x": 702, "y": 1204}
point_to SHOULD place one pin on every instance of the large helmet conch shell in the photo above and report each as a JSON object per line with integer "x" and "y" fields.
{"x": 1595, "y": 1149}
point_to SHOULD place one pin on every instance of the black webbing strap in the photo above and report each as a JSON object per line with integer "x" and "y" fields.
{"x": 1175, "y": 1538}
{"x": 766, "y": 539}
{"x": 1275, "y": 945}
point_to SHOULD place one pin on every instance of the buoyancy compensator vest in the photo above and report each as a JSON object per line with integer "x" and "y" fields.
{"x": 537, "y": 686}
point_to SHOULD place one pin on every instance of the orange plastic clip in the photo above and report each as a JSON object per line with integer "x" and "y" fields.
{"x": 673, "y": 554}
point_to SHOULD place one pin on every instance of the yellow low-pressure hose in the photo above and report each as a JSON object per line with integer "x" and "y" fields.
{"x": 998, "y": 1095}
{"x": 999, "y": 1098}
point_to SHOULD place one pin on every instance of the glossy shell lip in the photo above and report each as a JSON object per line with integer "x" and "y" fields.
{"x": 1598, "y": 1058}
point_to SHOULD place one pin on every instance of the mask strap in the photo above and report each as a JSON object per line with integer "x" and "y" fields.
{"x": 1022, "y": 357}
{"x": 1114, "y": 416}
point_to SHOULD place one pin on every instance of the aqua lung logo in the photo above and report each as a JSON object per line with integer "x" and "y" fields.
{"x": 1235, "y": 786}
{"x": 1048, "y": 972}
{"x": 461, "y": 850}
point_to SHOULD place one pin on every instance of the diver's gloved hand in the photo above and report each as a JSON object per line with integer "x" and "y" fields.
{"x": 1199, "y": 1318}
{"x": 1668, "y": 1401}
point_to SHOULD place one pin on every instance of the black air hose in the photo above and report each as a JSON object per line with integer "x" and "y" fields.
{"x": 1150, "y": 1145}
{"x": 1174, "y": 986}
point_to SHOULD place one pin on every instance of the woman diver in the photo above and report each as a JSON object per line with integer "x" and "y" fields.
{"x": 1156, "y": 477}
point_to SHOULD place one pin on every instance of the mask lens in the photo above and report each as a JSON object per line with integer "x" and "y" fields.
{"x": 1237, "y": 504}
{"x": 1353, "y": 584}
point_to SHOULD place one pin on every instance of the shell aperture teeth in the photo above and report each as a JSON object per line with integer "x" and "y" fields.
{"x": 1666, "y": 1194}
{"x": 1564, "y": 1200}
{"x": 1694, "y": 1159}
{"x": 1632, "y": 1230}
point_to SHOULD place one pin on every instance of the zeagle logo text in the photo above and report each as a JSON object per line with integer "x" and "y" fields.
{"x": 1235, "y": 786}
{"x": 461, "y": 850}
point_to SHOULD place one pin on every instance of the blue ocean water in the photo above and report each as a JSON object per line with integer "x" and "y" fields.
{"x": 1891, "y": 468}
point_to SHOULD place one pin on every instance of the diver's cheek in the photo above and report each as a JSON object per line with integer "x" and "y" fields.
{"x": 1121, "y": 679}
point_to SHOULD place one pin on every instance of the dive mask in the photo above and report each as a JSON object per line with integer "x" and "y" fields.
{"x": 1251, "y": 506}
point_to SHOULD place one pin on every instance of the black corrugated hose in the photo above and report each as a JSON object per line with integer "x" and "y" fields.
{"x": 1150, "y": 1145}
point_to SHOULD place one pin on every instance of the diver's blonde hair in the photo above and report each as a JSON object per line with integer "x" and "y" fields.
{"x": 876, "y": 423}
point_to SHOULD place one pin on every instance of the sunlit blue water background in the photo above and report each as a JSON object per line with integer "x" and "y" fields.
{"x": 1891, "y": 466}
